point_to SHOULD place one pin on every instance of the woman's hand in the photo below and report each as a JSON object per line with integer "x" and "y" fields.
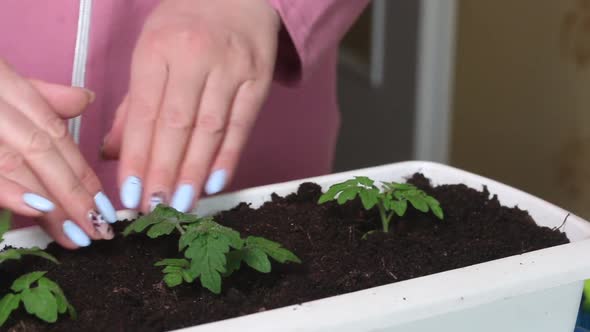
{"x": 200, "y": 73}
{"x": 42, "y": 172}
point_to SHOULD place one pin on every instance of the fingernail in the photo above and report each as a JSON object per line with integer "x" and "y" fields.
{"x": 183, "y": 198}
{"x": 105, "y": 207}
{"x": 91, "y": 95}
{"x": 131, "y": 192}
{"x": 76, "y": 234}
{"x": 156, "y": 199}
{"x": 216, "y": 182}
{"x": 101, "y": 226}
{"x": 38, "y": 203}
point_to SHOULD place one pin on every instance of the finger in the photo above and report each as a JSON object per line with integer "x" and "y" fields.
{"x": 147, "y": 84}
{"x": 112, "y": 141}
{"x": 56, "y": 144}
{"x": 246, "y": 107}
{"x": 22, "y": 200}
{"x": 14, "y": 169}
{"x": 66, "y": 101}
{"x": 39, "y": 151}
{"x": 173, "y": 130}
{"x": 207, "y": 136}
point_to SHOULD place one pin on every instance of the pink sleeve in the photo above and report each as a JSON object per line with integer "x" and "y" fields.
{"x": 310, "y": 28}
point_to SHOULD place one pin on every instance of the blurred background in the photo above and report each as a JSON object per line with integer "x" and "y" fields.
{"x": 500, "y": 88}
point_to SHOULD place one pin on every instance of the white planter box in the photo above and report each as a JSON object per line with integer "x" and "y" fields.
{"x": 538, "y": 291}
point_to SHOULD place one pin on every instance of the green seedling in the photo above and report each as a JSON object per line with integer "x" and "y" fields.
{"x": 211, "y": 251}
{"x": 40, "y": 296}
{"x": 392, "y": 199}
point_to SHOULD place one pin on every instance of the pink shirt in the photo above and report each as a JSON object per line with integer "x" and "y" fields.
{"x": 296, "y": 130}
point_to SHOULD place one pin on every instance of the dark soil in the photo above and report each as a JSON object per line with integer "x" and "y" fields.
{"x": 115, "y": 287}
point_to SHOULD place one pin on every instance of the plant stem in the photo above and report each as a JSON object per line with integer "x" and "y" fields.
{"x": 384, "y": 218}
{"x": 179, "y": 228}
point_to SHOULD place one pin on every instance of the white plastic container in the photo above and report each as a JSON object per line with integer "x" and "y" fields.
{"x": 539, "y": 291}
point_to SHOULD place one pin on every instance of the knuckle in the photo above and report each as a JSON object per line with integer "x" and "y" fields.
{"x": 239, "y": 124}
{"x": 211, "y": 123}
{"x": 175, "y": 118}
{"x": 77, "y": 190}
{"x": 56, "y": 127}
{"x": 10, "y": 161}
{"x": 88, "y": 178}
{"x": 39, "y": 142}
{"x": 155, "y": 39}
{"x": 193, "y": 40}
{"x": 140, "y": 109}
{"x": 161, "y": 174}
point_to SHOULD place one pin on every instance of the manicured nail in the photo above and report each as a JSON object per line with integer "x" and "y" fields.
{"x": 38, "y": 203}
{"x": 183, "y": 198}
{"x": 131, "y": 192}
{"x": 76, "y": 234}
{"x": 101, "y": 226}
{"x": 156, "y": 199}
{"x": 216, "y": 182}
{"x": 91, "y": 95}
{"x": 105, "y": 207}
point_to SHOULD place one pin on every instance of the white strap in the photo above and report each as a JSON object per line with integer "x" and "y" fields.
{"x": 80, "y": 58}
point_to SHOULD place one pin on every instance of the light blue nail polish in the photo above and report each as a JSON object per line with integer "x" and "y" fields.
{"x": 76, "y": 234}
{"x": 131, "y": 192}
{"x": 38, "y": 203}
{"x": 105, "y": 207}
{"x": 183, "y": 198}
{"x": 216, "y": 182}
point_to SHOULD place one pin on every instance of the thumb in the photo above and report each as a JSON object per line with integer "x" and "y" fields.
{"x": 67, "y": 101}
{"x": 112, "y": 142}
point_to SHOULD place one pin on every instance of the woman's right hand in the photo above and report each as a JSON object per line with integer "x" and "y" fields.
{"x": 42, "y": 172}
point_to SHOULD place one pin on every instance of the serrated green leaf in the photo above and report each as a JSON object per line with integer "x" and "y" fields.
{"x": 172, "y": 269}
{"x": 233, "y": 262}
{"x": 435, "y": 207}
{"x": 8, "y": 304}
{"x": 140, "y": 224}
{"x": 418, "y": 203}
{"x": 161, "y": 213}
{"x": 72, "y": 312}
{"x": 62, "y": 302}
{"x": 273, "y": 249}
{"x": 173, "y": 279}
{"x": 256, "y": 259}
{"x": 209, "y": 226}
{"x": 5, "y": 216}
{"x": 36, "y": 251}
{"x": 399, "y": 207}
{"x": 25, "y": 281}
{"x": 326, "y": 197}
{"x": 369, "y": 198}
{"x": 352, "y": 186}
{"x": 9, "y": 254}
{"x": 365, "y": 181}
{"x": 187, "y": 277}
{"x": 180, "y": 262}
{"x": 161, "y": 229}
{"x": 347, "y": 195}
{"x": 207, "y": 254}
{"x": 41, "y": 303}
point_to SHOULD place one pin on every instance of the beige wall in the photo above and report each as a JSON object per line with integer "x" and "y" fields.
{"x": 522, "y": 96}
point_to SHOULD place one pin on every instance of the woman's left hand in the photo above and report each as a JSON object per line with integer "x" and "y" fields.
{"x": 200, "y": 73}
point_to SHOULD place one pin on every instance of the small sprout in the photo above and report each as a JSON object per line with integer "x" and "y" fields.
{"x": 40, "y": 296}
{"x": 211, "y": 251}
{"x": 391, "y": 200}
